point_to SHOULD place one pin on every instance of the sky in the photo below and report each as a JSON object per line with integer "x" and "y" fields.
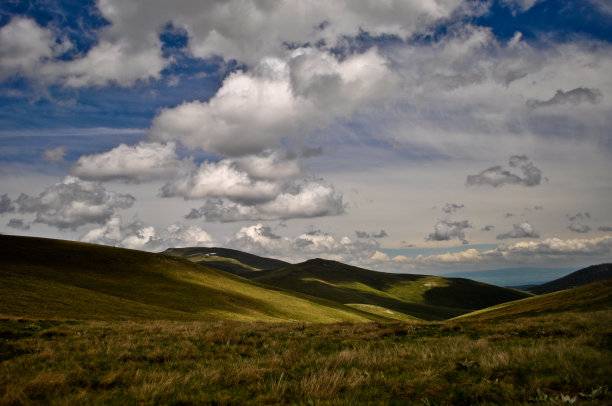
{"x": 418, "y": 136}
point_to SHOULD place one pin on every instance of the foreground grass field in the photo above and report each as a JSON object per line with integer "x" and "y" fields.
{"x": 551, "y": 359}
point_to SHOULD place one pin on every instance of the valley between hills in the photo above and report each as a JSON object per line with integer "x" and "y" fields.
{"x": 91, "y": 324}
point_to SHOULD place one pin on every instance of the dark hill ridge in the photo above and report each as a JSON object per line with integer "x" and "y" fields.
{"x": 226, "y": 259}
{"x": 581, "y": 277}
{"x": 422, "y": 296}
{"x": 56, "y": 279}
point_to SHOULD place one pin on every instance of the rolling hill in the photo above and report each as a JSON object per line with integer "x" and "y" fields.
{"x": 421, "y": 296}
{"x": 225, "y": 259}
{"x": 592, "y": 297}
{"x": 45, "y": 278}
{"x": 581, "y": 277}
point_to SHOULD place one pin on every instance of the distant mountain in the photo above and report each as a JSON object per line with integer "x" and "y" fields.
{"x": 55, "y": 279}
{"x": 421, "y": 296}
{"x": 225, "y": 259}
{"x": 581, "y": 277}
{"x": 592, "y": 297}
{"x": 513, "y": 277}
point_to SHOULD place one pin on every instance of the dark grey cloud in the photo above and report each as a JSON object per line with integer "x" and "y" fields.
{"x": 18, "y": 224}
{"x": 450, "y": 208}
{"x": 308, "y": 152}
{"x": 579, "y": 228}
{"x": 575, "y": 96}
{"x": 507, "y": 215}
{"x": 605, "y": 228}
{"x": 520, "y": 230}
{"x": 6, "y": 204}
{"x": 365, "y": 234}
{"x": 497, "y": 176}
{"x": 72, "y": 203}
{"x": 579, "y": 216}
{"x": 488, "y": 227}
{"x": 445, "y": 230}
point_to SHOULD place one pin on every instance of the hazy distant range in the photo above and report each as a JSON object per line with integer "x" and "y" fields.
{"x": 513, "y": 276}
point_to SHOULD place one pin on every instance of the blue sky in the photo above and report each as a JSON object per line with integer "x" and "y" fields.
{"x": 409, "y": 136}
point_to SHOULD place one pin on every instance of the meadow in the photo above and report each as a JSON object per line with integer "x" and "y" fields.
{"x": 557, "y": 358}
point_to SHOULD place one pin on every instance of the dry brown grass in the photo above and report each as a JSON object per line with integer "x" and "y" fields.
{"x": 563, "y": 356}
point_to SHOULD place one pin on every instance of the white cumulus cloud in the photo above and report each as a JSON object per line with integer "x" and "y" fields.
{"x": 138, "y": 163}
{"x": 138, "y": 235}
{"x": 72, "y": 203}
{"x": 280, "y": 99}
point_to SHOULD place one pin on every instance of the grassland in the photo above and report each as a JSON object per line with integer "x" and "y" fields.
{"x": 42, "y": 278}
{"x": 422, "y": 296}
{"x": 548, "y": 359}
{"x": 594, "y": 296}
{"x": 85, "y": 324}
{"x": 225, "y": 259}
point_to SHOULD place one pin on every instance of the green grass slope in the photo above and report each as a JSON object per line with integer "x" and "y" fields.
{"x": 581, "y": 277}
{"x": 421, "y": 296}
{"x": 592, "y": 297}
{"x": 225, "y": 259}
{"x": 44, "y": 278}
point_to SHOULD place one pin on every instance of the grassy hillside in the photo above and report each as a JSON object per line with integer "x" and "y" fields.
{"x": 592, "y": 297}
{"x": 581, "y": 277}
{"x": 225, "y": 259}
{"x": 44, "y": 278}
{"x": 425, "y": 297}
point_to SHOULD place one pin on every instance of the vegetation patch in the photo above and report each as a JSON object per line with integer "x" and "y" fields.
{"x": 225, "y": 362}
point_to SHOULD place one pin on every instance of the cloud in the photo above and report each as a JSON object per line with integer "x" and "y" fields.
{"x": 579, "y": 216}
{"x": 137, "y": 235}
{"x": 72, "y": 203}
{"x": 520, "y": 230}
{"x": 450, "y": 208}
{"x": 6, "y": 204}
{"x": 306, "y": 200}
{"x": 241, "y": 29}
{"x": 605, "y": 228}
{"x": 446, "y": 230}
{"x": 31, "y": 51}
{"x": 25, "y": 46}
{"x": 573, "y": 97}
{"x": 18, "y": 224}
{"x": 520, "y": 5}
{"x": 54, "y": 155}
{"x": 142, "y": 162}
{"x": 525, "y": 252}
{"x": 364, "y": 234}
{"x": 306, "y": 91}
{"x": 223, "y": 179}
{"x": 260, "y": 240}
{"x": 488, "y": 227}
{"x": 269, "y": 165}
{"x": 579, "y": 228}
{"x": 496, "y": 176}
